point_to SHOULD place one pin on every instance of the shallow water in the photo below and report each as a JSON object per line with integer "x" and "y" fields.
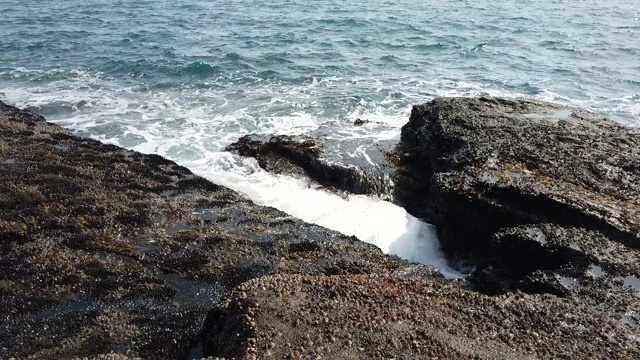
{"x": 185, "y": 78}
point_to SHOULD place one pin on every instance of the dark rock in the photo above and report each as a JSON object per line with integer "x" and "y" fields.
{"x": 540, "y": 196}
{"x": 355, "y": 165}
{"x": 14, "y": 114}
{"x": 474, "y": 166}
{"x": 563, "y": 261}
{"x": 109, "y": 251}
{"x": 544, "y": 199}
{"x": 359, "y": 122}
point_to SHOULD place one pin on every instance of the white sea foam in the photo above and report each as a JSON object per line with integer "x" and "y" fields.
{"x": 378, "y": 222}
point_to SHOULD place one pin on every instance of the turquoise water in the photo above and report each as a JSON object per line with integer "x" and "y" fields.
{"x": 185, "y": 78}
{"x": 328, "y": 60}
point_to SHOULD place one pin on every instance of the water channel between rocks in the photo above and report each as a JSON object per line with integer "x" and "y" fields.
{"x": 370, "y": 219}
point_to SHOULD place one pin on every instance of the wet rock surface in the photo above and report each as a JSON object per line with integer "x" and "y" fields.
{"x": 408, "y": 315}
{"x": 567, "y": 262}
{"x": 109, "y": 251}
{"x": 543, "y": 198}
{"x": 337, "y": 159}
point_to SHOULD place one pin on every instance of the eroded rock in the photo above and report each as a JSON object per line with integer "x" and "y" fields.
{"x": 109, "y": 253}
{"x": 567, "y": 262}
{"x": 542, "y": 197}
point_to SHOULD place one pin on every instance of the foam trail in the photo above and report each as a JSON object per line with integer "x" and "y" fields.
{"x": 378, "y": 222}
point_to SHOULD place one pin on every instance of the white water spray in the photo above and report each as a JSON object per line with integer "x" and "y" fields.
{"x": 372, "y": 220}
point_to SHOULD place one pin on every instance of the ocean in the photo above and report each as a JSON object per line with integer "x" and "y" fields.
{"x": 183, "y": 79}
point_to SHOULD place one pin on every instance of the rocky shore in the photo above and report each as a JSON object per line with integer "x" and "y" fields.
{"x": 108, "y": 253}
{"x": 104, "y": 250}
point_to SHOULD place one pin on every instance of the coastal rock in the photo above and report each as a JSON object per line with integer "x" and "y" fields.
{"x": 106, "y": 252}
{"x": 479, "y": 168}
{"x": 543, "y": 198}
{"x": 564, "y": 261}
{"x": 360, "y": 122}
{"x": 409, "y": 316}
{"x": 474, "y": 166}
{"x": 355, "y": 165}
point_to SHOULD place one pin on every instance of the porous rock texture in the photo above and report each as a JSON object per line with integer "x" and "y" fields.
{"x": 110, "y": 253}
{"x": 408, "y": 315}
{"x": 475, "y": 165}
{"x": 536, "y": 193}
